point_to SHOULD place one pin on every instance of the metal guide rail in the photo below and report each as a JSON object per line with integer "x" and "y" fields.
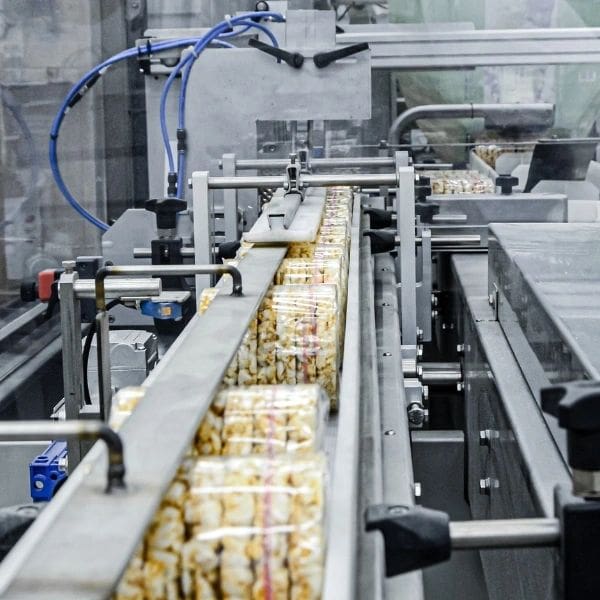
{"x": 83, "y": 541}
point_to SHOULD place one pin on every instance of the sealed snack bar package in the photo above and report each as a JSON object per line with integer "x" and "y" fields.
{"x": 265, "y": 420}
{"x": 306, "y": 350}
{"x": 460, "y": 182}
{"x": 243, "y": 528}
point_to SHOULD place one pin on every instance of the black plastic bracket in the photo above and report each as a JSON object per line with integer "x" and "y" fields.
{"x": 381, "y": 241}
{"x": 506, "y": 183}
{"x": 414, "y": 537}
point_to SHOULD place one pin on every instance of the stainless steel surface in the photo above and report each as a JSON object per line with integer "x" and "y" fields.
{"x": 22, "y": 320}
{"x": 509, "y": 533}
{"x": 346, "y": 179}
{"x": 477, "y": 48}
{"x": 440, "y": 373}
{"x": 523, "y": 114}
{"x": 398, "y": 484}
{"x": 547, "y": 274}
{"x": 72, "y": 359}
{"x": 103, "y": 530}
{"x": 119, "y": 288}
{"x": 340, "y": 560}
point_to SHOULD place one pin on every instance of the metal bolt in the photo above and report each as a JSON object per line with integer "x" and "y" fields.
{"x": 434, "y": 314}
{"x": 69, "y": 265}
{"x": 419, "y": 333}
{"x": 434, "y": 300}
{"x": 460, "y": 348}
{"x": 389, "y": 432}
{"x": 416, "y": 414}
{"x": 111, "y": 318}
{"x": 491, "y": 299}
{"x": 425, "y": 392}
{"x": 460, "y": 386}
{"x": 39, "y": 485}
{"x": 487, "y": 435}
{"x": 487, "y": 485}
{"x": 420, "y": 350}
{"x": 387, "y": 354}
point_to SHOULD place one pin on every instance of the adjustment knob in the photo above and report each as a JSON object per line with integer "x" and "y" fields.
{"x": 166, "y": 210}
{"x": 506, "y": 183}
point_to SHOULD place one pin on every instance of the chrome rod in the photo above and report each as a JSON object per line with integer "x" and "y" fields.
{"x": 346, "y": 179}
{"x": 119, "y": 288}
{"x": 504, "y": 533}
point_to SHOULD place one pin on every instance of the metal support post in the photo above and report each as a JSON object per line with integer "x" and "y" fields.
{"x": 424, "y": 288}
{"x": 72, "y": 359}
{"x": 202, "y": 215}
{"x": 405, "y": 211}
{"x": 230, "y": 200}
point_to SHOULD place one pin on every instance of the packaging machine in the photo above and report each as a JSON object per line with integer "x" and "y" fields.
{"x": 448, "y": 312}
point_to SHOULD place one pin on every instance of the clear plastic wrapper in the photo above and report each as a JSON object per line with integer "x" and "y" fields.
{"x": 306, "y": 326}
{"x": 266, "y": 420}
{"x": 459, "y": 182}
{"x": 123, "y": 404}
{"x": 244, "y": 528}
{"x": 243, "y": 368}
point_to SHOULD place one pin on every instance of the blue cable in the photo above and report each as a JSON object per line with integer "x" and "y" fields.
{"x": 74, "y": 95}
{"x": 187, "y": 64}
{"x": 79, "y": 89}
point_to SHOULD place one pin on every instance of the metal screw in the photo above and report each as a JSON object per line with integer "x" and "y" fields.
{"x": 460, "y": 386}
{"x": 389, "y": 432}
{"x": 111, "y": 319}
{"x": 460, "y": 348}
{"x": 420, "y": 350}
{"x": 434, "y": 300}
{"x": 39, "y": 485}
{"x": 487, "y": 485}
{"x": 434, "y": 314}
{"x": 491, "y": 299}
{"x": 419, "y": 333}
{"x": 387, "y": 354}
{"x": 68, "y": 266}
{"x": 487, "y": 435}
{"x": 425, "y": 392}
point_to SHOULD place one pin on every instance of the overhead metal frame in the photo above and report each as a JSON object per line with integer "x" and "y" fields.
{"x": 434, "y": 50}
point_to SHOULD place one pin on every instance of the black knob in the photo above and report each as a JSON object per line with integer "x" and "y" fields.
{"x": 293, "y": 59}
{"x": 228, "y": 250}
{"x": 166, "y": 210}
{"x": 506, "y": 183}
{"x": 426, "y": 210}
{"x": 577, "y": 407}
{"x": 261, "y": 6}
{"x": 379, "y": 219}
{"x": 324, "y": 59}
{"x": 29, "y": 290}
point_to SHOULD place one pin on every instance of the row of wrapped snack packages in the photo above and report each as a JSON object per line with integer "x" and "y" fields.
{"x": 297, "y": 334}
{"x": 245, "y": 515}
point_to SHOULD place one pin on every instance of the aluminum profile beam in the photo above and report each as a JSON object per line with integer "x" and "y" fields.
{"x": 477, "y": 48}
{"x": 82, "y": 542}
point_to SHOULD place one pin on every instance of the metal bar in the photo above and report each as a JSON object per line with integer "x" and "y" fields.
{"x": 119, "y": 288}
{"x": 330, "y": 163}
{"x": 103, "y": 358}
{"x": 230, "y": 201}
{"x": 147, "y": 253}
{"x": 520, "y": 113}
{"x": 21, "y": 321}
{"x": 340, "y": 566}
{"x": 439, "y": 373}
{"x": 164, "y": 271}
{"x": 104, "y": 530}
{"x": 31, "y": 431}
{"x": 475, "y": 48}
{"x": 405, "y": 211}
{"x": 203, "y": 225}
{"x": 351, "y": 179}
{"x": 72, "y": 358}
{"x": 504, "y": 533}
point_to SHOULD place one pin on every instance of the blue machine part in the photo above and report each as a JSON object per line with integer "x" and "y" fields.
{"x": 161, "y": 310}
{"x": 47, "y": 470}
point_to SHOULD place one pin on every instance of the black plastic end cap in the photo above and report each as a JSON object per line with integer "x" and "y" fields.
{"x": 29, "y": 290}
{"x": 166, "y": 210}
{"x": 577, "y": 406}
{"x": 506, "y": 183}
{"x": 414, "y": 537}
{"x": 379, "y": 218}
